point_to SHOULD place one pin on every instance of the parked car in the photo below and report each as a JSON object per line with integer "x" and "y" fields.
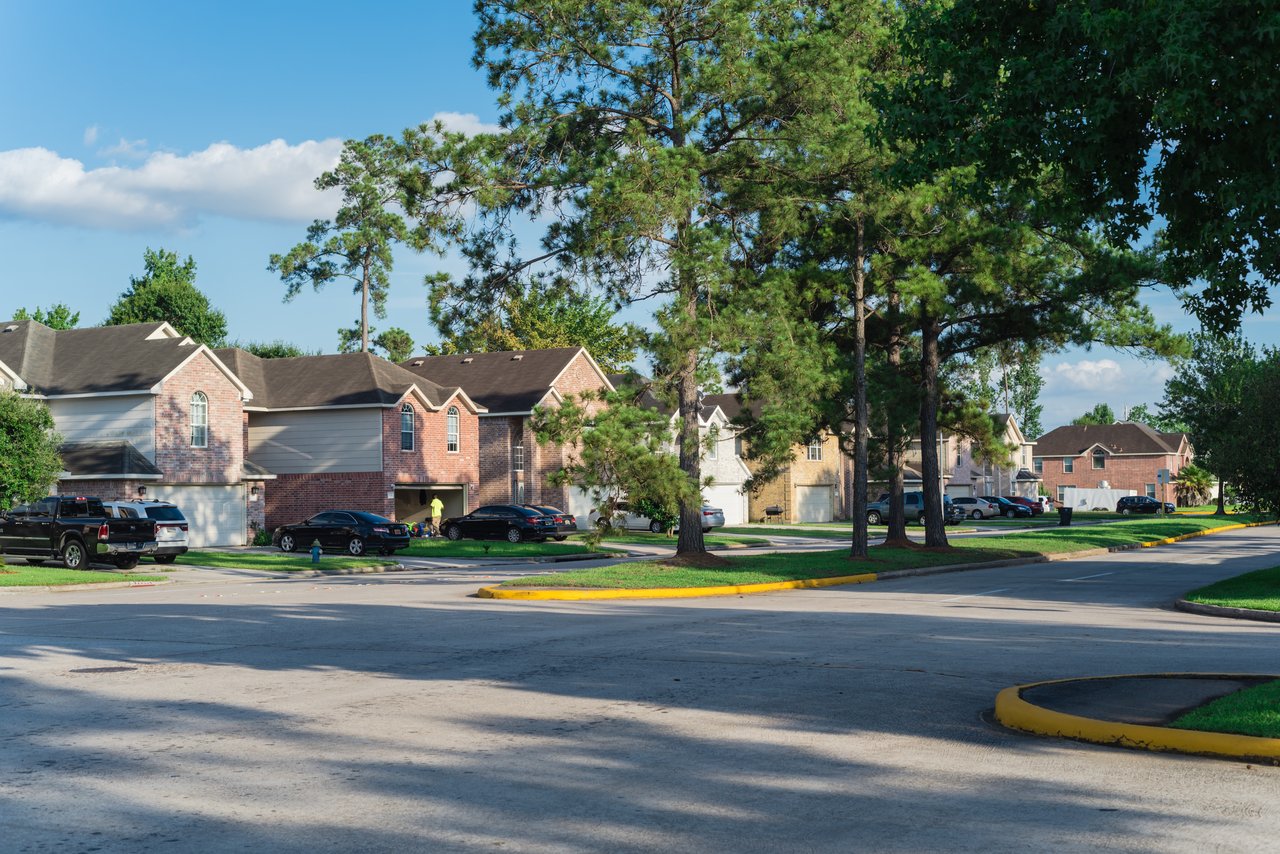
{"x": 1046, "y": 502}
{"x": 1141, "y": 504}
{"x": 172, "y": 534}
{"x": 512, "y": 522}
{"x": 353, "y": 531}
{"x": 913, "y": 509}
{"x": 976, "y": 508}
{"x": 712, "y": 517}
{"x": 74, "y": 529}
{"x": 566, "y": 523}
{"x": 1009, "y": 509}
{"x": 1033, "y": 504}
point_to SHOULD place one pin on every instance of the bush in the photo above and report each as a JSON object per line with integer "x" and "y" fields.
{"x": 261, "y": 537}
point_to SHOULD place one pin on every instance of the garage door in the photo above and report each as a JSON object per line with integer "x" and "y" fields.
{"x": 813, "y": 503}
{"x": 729, "y": 499}
{"x": 215, "y": 514}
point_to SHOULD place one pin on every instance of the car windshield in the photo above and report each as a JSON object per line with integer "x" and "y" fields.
{"x": 165, "y": 514}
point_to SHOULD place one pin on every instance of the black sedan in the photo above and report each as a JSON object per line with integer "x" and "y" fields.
{"x": 1008, "y": 509}
{"x": 352, "y": 531}
{"x": 1141, "y": 504}
{"x": 566, "y": 523}
{"x": 509, "y": 522}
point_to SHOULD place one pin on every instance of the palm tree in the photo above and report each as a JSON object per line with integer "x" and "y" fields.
{"x": 1194, "y": 485}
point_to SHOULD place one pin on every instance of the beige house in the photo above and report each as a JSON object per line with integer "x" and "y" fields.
{"x": 970, "y": 477}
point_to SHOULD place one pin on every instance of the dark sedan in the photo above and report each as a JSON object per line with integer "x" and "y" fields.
{"x": 509, "y": 522}
{"x": 1008, "y": 509}
{"x": 1141, "y": 504}
{"x": 352, "y": 531}
{"x": 1031, "y": 504}
{"x": 566, "y": 523}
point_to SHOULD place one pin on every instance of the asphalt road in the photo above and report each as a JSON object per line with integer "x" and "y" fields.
{"x": 394, "y": 713}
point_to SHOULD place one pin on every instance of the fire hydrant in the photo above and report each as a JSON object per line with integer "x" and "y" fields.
{"x": 315, "y": 551}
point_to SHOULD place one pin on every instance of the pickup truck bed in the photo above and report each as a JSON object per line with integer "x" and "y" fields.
{"x": 74, "y": 530}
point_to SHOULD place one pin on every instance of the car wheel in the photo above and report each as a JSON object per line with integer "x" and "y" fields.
{"x": 1124, "y": 512}
{"x": 655, "y": 527}
{"x": 166, "y": 558}
{"x": 355, "y": 547}
{"x": 287, "y": 543}
{"x": 73, "y": 554}
{"x": 127, "y": 562}
{"x": 1009, "y": 514}
{"x": 873, "y": 518}
{"x": 453, "y": 532}
{"x": 561, "y": 538}
{"x": 514, "y": 535}
{"x": 976, "y": 514}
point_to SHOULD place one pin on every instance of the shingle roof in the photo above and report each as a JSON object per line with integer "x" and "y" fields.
{"x": 511, "y": 381}
{"x": 346, "y": 379}
{"x": 134, "y": 357}
{"x": 115, "y": 458}
{"x": 1072, "y": 440}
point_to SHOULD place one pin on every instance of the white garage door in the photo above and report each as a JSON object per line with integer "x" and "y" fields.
{"x": 813, "y": 503}
{"x": 729, "y": 499}
{"x": 215, "y": 514}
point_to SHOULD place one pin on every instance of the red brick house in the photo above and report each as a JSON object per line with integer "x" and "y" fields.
{"x": 354, "y": 430}
{"x": 143, "y": 412}
{"x": 510, "y": 385}
{"x": 1124, "y": 456}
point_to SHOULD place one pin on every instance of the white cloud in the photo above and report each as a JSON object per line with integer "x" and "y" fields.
{"x": 467, "y": 123}
{"x": 1086, "y": 375}
{"x": 90, "y": 134}
{"x": 133, "y": 149}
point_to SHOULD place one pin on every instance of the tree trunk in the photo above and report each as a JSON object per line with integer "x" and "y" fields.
{"x": 861, "y": 426}
{"x": 897, "y": 486}
{"x": 364, "y": 309}
{"x": 935, "y": 532}
{"x": 691, "y": 540}
{"x": 1222, "y": 499}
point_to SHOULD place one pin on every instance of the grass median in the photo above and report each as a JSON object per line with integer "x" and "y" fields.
{"x": 1258, "y": 591}
{"x": 19, "y": 575}
{"x": 713, "y": 541}
{"x": 766, "y": 568}
{"x": 1251, "y": 711}
{"x": 278, "y": 561}
{"x": 439, "y": 547}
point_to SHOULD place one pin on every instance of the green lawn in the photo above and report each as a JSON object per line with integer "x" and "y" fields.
{"x": 24, "y": 575}
{"x": 755, "y": 569}
{"x": 789, "y": 531}
{"x": 1046, "y": 521}
{"x": 443, "y": 548}
{"x": 1258, "y": 590}
{"x": 277, "y": 561}
{"x": 1252, "y": 711}
{"x": 714, "y": 541}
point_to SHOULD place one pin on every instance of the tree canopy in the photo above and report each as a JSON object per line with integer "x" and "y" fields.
{"x": 167, "y": 291}
{"x": 1100, "y": 414}
{"x": 29, "y": 461}
{"x": 58, "y": 316}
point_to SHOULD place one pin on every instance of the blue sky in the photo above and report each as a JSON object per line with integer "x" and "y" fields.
{"x": 198, "y": 127}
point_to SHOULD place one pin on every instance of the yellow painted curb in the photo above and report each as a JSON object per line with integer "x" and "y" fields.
{"x": 1016, "y": 713}
{"x": 671, "y": 592}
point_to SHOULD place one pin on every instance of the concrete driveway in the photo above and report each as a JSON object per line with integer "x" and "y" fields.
{"x": 394, "y": 713}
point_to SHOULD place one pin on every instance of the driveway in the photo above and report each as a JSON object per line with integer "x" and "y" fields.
{"x": 394, "y": 713}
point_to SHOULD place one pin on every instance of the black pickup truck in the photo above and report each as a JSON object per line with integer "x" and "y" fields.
{"x": 74, "y": 530}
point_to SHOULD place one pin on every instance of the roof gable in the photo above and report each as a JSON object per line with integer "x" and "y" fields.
{"x": 513, "y": 381}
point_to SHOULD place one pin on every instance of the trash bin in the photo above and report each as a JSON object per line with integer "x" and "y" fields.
{"x": 1064, "y": 516}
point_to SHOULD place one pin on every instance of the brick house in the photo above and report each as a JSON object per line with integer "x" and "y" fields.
{"x": 971, "y": 477}
{"x": 510, "y": 385}
{"x": 810, "y": 488}
{"x": 1124, "y": 456}
{"x": 143, "y": 412}
{"x": 354, "y": 430}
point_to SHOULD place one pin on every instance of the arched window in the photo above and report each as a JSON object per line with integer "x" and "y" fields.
{"x": 1099, "y": 458}
{"x": 406, "y": 428}
{"x": 199, "y": 420}
{"x": 451, "y": 424}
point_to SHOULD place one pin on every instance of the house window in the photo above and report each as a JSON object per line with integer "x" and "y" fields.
{"x": 1062, "y": 491}
{"x": 1099, "y": 458}
{"x": 451, "y": 422}
{"x": 815, "y": 450}
{"x": 1039, "y": 465}
{"x": 199, "y": 420}
{"x": 737, "y": 446}
{"x": 713, "y": 443}
{"x": 517, "y": 456}
{"x": 1151, "y": 490}
{"x": 1068, "y": 466}
{"x": 406, "y": 428}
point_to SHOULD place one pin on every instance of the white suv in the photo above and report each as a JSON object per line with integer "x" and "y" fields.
{"x": 171, "y": 525}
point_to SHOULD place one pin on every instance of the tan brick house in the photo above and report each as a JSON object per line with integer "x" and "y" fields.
{"x": 356, "y": 431}
{"x": 1124, "y": 456}
{"x": 143, "y": 412}
{"x": 510, "y": 385}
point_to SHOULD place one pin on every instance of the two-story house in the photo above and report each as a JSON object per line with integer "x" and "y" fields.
{"x": 1123, "y": 456}
{"x": 143, "y": 412}
{"x": 973, "y": 477}
{"x": 354, "y": 430}
{"x": 509, "y": 385}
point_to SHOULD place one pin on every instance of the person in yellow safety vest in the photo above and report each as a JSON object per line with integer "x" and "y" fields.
{"x": 437, "y": 510}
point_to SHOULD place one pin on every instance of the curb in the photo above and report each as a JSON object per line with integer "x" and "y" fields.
{"x": 71, "y": 588}
{"x": 1016, "y": 713}
{"x": 578, "y": 594}
{"x": 1226, "y": 611}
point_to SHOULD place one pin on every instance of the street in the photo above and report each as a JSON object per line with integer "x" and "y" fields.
{"x": 397, "y": 713}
